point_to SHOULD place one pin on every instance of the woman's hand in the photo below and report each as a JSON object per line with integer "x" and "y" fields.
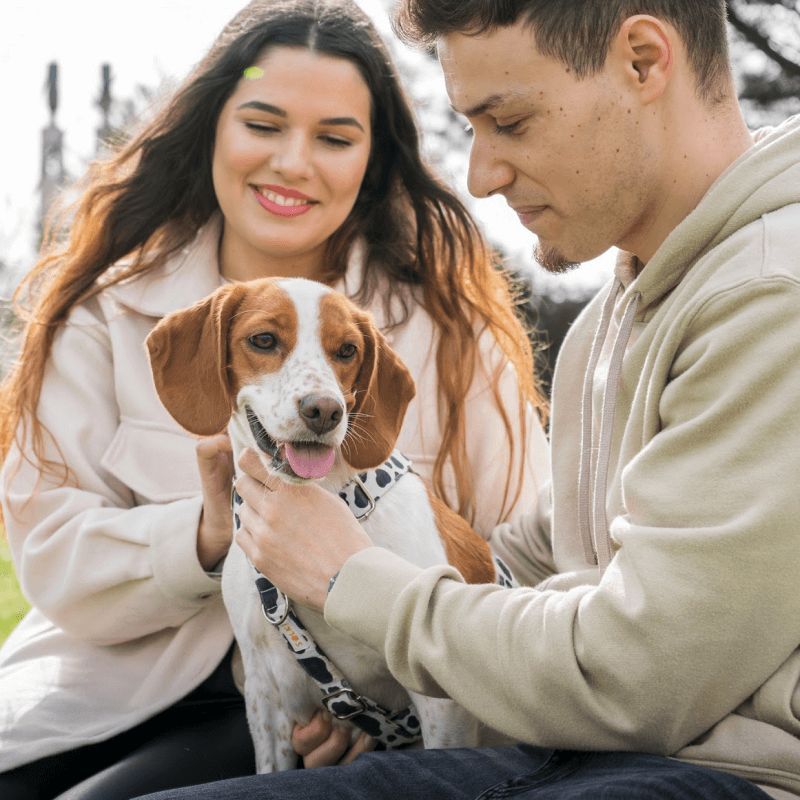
{"x": 321, "y": 744}
{"x": 298, "y": 535}
{"x": 215, "y": 531}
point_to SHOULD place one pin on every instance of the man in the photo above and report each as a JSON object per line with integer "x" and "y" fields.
{"x": 663, "y": 617}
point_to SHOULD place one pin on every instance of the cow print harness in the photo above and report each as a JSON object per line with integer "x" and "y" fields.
{"x": 390, "y": 729}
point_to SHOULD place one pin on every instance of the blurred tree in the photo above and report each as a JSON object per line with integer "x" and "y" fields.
{"x": 765, "y": 37}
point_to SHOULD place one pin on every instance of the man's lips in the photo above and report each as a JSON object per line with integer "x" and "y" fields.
{"x": 283, "y": 202}
{"x": 529, "y": 214}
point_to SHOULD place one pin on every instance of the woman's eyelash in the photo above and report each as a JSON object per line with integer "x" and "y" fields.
{"x": 260, "y": 127}
{"x": 257, "y": 126}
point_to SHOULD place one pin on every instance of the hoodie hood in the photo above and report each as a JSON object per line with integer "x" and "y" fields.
{"x": 761, "y": 180}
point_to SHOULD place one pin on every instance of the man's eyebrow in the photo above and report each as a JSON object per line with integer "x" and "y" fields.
{"x": 270, "y": 109}
{"x": 490, "y": 103}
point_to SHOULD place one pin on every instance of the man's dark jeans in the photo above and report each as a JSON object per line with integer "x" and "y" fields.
{"x": 521, "y": 772}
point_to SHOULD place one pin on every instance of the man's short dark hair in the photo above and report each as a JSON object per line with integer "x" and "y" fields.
{"x": 580, "y": 32}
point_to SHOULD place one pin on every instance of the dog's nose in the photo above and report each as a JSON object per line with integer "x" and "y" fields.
{"x": 320, "y": 414}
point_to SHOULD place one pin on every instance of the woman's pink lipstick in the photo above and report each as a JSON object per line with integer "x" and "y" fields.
{"x": 278, "y": 209}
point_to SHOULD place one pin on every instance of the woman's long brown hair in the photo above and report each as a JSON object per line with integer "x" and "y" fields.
{"x": 148, "y": 201}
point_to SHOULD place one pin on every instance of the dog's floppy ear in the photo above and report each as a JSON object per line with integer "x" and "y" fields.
{"x": 188, "y": 353}
{"x": 383, "y": 389}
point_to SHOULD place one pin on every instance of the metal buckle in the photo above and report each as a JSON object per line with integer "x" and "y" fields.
{"x": 275, "y": 620}
{"x": 286, "y": 609}
{"x": 352, "y": 696}
{"x": 370, "y": 499}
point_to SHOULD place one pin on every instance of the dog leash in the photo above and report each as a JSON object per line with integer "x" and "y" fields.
{"x": 389, "y": 729}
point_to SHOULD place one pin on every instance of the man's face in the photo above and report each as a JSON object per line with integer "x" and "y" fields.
{"x": 570, "y": 156}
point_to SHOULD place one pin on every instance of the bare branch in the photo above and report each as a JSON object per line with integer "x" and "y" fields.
{"x": 756, "y": 38}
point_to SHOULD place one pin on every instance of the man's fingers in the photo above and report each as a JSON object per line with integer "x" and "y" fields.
{"x": 251, "y": 464}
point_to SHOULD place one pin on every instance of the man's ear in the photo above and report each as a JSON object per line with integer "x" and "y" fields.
{"x": 646, "y": 47}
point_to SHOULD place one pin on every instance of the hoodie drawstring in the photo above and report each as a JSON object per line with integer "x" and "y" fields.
{"x": 592, "y": 520}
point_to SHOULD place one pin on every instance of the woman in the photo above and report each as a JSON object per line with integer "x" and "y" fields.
{"x": 289, "y": 151}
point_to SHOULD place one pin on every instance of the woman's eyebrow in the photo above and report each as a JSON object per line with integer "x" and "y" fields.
{"x": 258, "y": 105}
{"x": 266, "y": 107}
{"x": 342, "y": 121}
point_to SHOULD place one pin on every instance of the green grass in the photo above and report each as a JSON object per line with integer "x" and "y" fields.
{"x": 12, "y": 603}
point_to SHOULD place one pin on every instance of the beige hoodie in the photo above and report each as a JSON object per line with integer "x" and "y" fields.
{"x": 676, "y": 463}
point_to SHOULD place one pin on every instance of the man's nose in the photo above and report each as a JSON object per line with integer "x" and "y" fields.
{"x": 489, "y": 171}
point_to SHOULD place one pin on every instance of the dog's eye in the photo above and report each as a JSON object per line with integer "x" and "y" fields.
{"x": 346, "y": 351}
{"x": 263, "y": 341}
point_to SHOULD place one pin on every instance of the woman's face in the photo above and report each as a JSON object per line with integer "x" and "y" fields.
{"x": 291, "y": 149}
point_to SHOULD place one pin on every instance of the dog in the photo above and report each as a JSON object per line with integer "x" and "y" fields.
{"x": 302, "y": 376}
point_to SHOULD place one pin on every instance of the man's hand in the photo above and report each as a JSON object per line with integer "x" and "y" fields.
{"x": 321, "y": 744}
{"x": 298, "y": 535}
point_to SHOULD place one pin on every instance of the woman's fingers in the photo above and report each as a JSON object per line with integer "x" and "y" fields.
{"x": 215, "y": 459}
{"x": 215, "y": 529}
{"x": 364, "y": 744}
{"x": 321, "y": 744}
{"x": 307, "y": 738}
{"x": 329, "y": 751}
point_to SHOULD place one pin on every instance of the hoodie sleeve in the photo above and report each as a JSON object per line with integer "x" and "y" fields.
{"x": 700, "y": 604}
{"x": 89, "y": 554}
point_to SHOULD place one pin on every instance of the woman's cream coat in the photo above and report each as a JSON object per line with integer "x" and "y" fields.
{"x": 688, "y": 643}
{"x": 124, "y": 621}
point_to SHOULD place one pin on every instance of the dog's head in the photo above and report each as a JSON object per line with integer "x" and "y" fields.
{"x": 301, "y": 373}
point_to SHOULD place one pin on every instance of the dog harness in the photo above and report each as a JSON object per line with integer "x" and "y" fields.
{"x": 389, "y": 729}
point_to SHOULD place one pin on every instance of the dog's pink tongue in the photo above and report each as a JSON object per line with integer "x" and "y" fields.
{"x": 309, "y": 463}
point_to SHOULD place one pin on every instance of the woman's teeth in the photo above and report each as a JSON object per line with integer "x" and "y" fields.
{"x": 282, "y": 200}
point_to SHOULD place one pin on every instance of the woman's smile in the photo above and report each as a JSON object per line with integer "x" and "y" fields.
{"x": 283, "y": 202}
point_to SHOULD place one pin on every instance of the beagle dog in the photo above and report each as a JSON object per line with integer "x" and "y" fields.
{"x": 302, "y": 376}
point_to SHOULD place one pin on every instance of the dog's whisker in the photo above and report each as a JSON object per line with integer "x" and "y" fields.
{"x": 362, "y": 439}
{"x": 365, "y": 429}
{"x": 360, "y": 415}
{"x": 355, "y": 438}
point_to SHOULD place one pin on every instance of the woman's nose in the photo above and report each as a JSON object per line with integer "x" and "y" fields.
{"x": 292, "y": 159}
{"x": 489, "y": 171}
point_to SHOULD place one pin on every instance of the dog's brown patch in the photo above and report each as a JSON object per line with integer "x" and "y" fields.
{"x": 465, "y": 550}
{"x": 337, "y": 328}
{"x": 378, "y": 394}
{"x": 267, "y": 309}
